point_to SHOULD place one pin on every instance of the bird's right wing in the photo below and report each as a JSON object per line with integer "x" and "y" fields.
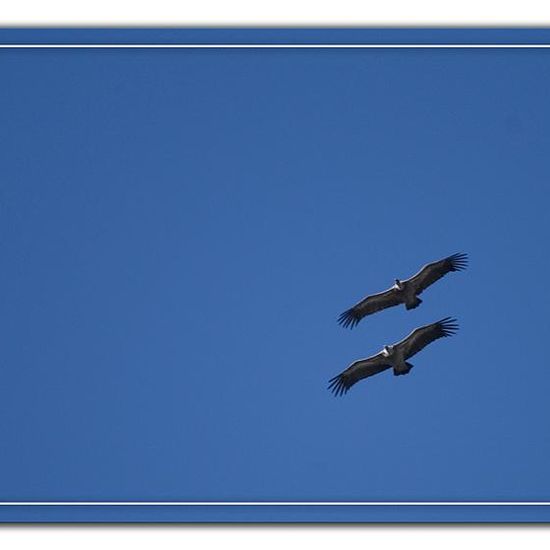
{"x": 370, "y": 304}
{"x": 357, "y": 371}
{"x": 419, "y": 338}
{"x": 431, "y": 273}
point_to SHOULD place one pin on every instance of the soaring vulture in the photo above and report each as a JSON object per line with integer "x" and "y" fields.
{"x": 393, "y": 356}
{"x": 404, "y": 292}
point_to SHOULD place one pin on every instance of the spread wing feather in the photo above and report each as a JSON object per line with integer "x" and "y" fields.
{"x": 358, "y": 370}
{"x": 431, "y": 273}
{"x": 370, "y": 304}
{"x": 419, "y": 338}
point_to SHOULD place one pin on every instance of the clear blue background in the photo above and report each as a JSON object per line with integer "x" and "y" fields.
{"x": 179, "y": 231}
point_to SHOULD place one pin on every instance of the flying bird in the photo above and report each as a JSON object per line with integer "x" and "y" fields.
{"x": 393, "y": 356}
{"x": 404, "y": 292}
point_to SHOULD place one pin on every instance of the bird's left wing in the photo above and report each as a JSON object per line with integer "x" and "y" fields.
{"x": 431, "y": 273}
{"x": 369, "y": 305}
{"x": 357, "y": 371}
{"x": 419, "y": 338}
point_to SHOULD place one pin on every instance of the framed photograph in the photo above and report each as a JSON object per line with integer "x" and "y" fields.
{"x": 274, "y": 275}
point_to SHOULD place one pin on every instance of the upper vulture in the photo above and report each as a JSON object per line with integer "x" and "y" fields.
{"x": 404, "y": 292}
{"x": 393, "y": 356}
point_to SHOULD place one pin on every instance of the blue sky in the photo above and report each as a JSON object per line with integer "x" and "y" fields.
{"x": 179, "y": 231}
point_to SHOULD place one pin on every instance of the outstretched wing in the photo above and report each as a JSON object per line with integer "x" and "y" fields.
{"x": 370, "y": 304}
{"x": 357, "y": 371}
{"x": 419, "y": 338}
{"x": 431, "y": 273}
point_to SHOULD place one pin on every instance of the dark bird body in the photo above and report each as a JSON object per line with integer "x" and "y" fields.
{"x": 393, "y": 357}
{"x": 404, "y": 292}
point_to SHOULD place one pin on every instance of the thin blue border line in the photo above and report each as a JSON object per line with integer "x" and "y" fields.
{"x": 272, "y": 503}
{"x": 273, "y": 46}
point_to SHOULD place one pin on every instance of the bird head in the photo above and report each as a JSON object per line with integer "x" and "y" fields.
{"x": 398, "y": 284}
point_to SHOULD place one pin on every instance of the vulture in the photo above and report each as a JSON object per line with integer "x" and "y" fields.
{"x": 404, "y": 292}
{"x": 393, "y": 356}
